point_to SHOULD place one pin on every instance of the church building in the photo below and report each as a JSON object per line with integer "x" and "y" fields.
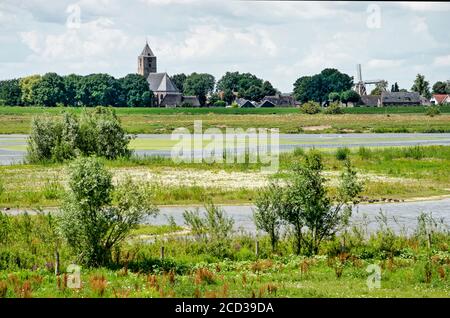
{"x": 165, "y": 92}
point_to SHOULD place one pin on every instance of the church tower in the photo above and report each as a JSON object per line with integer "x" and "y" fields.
{"x": 146, "y": 62}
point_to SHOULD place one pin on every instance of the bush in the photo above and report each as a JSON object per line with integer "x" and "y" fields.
{"x": 342, "y": 153}
{"x": 220, "y": 103}
{"x": 214, "y": 228}
{"x": 310, "y": 108}
{"x": 90, "y": 224}
{"x": 364, "y": 153}
{"x": 333, "y": 109}
{"x": 96, "y": 132}
{"x": 433, "y": 111}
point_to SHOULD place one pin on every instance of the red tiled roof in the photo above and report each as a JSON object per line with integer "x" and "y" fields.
{"x": 440, "y": 97}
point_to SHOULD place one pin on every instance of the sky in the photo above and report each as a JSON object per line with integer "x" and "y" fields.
{"x": 276, "y": 41}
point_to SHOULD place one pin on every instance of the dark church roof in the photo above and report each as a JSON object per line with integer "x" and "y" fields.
{"x": 161, "y": 82}
{"x": 147, "y": 51}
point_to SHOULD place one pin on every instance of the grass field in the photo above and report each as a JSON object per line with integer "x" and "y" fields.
{"x": 288, "y": 120}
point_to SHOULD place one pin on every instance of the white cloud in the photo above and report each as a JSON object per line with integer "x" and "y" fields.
{"x": 442, "y": 60}
{"x": 425, "y": 6}
{"x": 384, "y": 63}
{"x": 96, "y": 39}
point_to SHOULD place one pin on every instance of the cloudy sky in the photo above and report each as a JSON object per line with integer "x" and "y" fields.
{"x": 277, "y": 41}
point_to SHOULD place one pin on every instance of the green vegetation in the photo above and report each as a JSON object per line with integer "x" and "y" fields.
{"x": 318, "y": 87}
{"x": 93, "y": 227}
{"x": 417, "y": 265}
{"x": 288, "y": 120}
{"x": 96, "y": 132}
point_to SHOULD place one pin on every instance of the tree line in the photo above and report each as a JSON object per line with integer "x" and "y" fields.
{"x": 52, "y": 89}
{"x": 133, "y": 90}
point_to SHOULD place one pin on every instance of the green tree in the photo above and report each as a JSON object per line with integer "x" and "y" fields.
{"x": 268, "y": 89}
{"x": 421, "y": 86}
{"x": 302, "y": 89}
{"x": 380, "y": 87}
{"x": 10, "y": 94}
{"x": 441, "y": 88}
{"x": 213, "y": 98}
{"x": 27, "y": 88}
{"x": 136, "y": 91}
{"x": 200, "y": 85}
{"x": 91, "y": 225}
{"x": 395, "y": 88}
{"x": 334, "y": 97}
{"x": 267, "y": 213}
{"x": 254, "y": 93}
{"x": 319, "y": 86}
{"x": 178, "y": 80}
{"x": 72, "y": 84}
{"x": 245, "y": 85}
{"x": 307, "y": 203}
{"x": 350, "y": 96}
{"x": 50, "y": 90}
{"x": 100, "y": 90}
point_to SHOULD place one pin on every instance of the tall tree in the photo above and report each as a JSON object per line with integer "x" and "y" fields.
{"x": 441, "y": 88}
{"x": 10, "y": 92}
{"x": 319, "y": 86}
{"x": 350, "y": 96}
{"x": 136, "y": 91}
{"x": 200, "y": 85}
{"x": 100, "y": 90}
{"x": 27, "y": 88}
{"x": 50, "y": 90}
{"x": 395, "y": 88}
{"x": 421, "y": 86}
{"x": 178, "y": 80}
{"x": 72, "y": 84}
{"x": 245, "y": 85}
{"x": 380, "y": 87}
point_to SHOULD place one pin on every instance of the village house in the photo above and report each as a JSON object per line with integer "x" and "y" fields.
{"x": 281, "y": 100}
{"x": 439, "y": 99}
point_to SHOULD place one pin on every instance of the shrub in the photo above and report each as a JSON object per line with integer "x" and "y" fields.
{"x": 220, "y": 103}
{"x": 433, "y": 111}
{"x": 364, "y": 153}
{"x": 96, "y": 132}
{"x": 310, "y": 108}
{"x": 88, "y": 221}
{"x": 342, "y": 153}
{"x": 333, "y": 109}
{"x": 214, "y": 228}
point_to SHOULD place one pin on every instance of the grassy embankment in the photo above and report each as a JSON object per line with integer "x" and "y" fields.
{"x": 288, "y": 120}
{"x": 392, "y": 173}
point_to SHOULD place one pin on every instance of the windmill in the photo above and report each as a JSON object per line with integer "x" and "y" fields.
{"x": 360, "y": 86}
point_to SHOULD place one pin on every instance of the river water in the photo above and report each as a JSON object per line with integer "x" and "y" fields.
{"x": 401, "y": 217}
{"x": 13, "y": 147}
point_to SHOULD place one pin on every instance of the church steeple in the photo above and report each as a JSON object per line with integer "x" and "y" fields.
{"x": 147, "y": 51}
{"x": 147, "y": 61}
